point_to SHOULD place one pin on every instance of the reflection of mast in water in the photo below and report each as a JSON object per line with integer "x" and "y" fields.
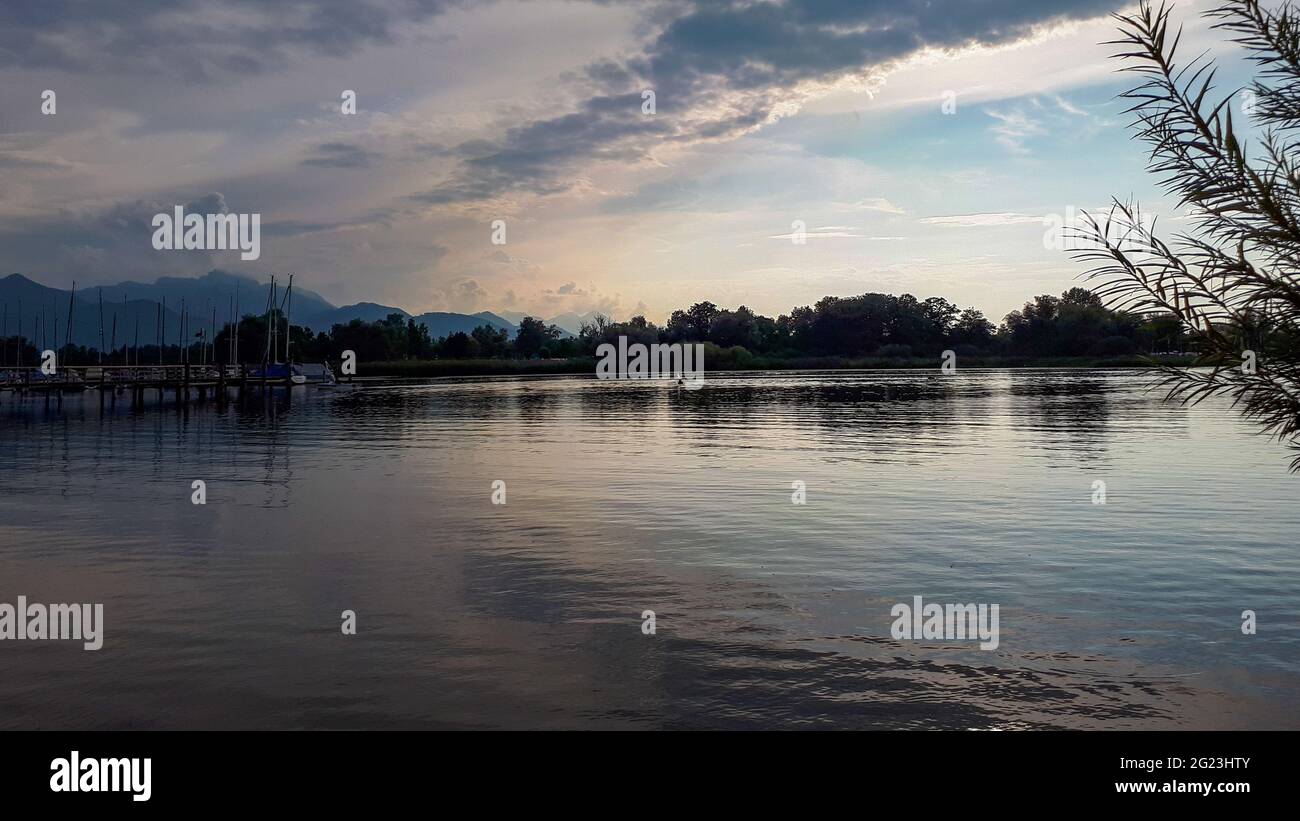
{"x": 286, "y": 470}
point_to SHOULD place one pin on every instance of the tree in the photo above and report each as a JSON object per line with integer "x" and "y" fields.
{"x": 971, "y": 328}
{"x": 941, "y": 315}
{"x": 372, "y": 341}
{"x": 1075, "y": 324}
{"x": 460, "y": 345}
{"x": 418, "y": 343}
{"x": 1231, "y": 282}
{"x": 591, "y": 334}
{"x": 680, "y": 328}
{"x": 492, "y": 341}
{"x": 1081, "y": 298}
{"x": 701, "y": 315}
{"x": 737, "y": 327}
{"x": 533, "y": 335}
{"x": 797, "y": 327}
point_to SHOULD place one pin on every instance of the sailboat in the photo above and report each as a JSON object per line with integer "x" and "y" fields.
{"x": 288, "y": 372}
{"x": 272, "y": 367}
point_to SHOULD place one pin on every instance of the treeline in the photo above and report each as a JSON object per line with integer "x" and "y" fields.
{"x": 1075, "y": 324}
{"x": 399, "y": 337}
{"x": 883, "y": 325}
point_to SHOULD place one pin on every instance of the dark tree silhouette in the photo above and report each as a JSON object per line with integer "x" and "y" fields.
{"x": 533, "y": 335}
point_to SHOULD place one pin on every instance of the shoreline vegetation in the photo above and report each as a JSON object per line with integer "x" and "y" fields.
{"x": 869, "y": 331}
{"x": 722, "y": 361}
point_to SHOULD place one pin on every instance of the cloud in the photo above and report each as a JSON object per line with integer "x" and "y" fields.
{"x": 511, "y": 263}
{"x": 723, "y": 70}
{"x": 117, "y": 236}
{"x": 531, "y": 157}
{"x": 465, "y": 296}
{"x": 817, "y": 234}
{"x": 195, "y": 40}
{"x": 183, "y": 97}
{"x": 1012, "y": 128}
{"x": 879, "y": 204}
{"x": 572, "y": 298}
{"x": 983, "y": 220}
{"x": 1068, "y": 107}
{"x": 341, "y": 155}
{"x": 24, "y": 151}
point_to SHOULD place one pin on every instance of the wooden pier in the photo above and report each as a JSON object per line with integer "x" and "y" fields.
{"x": 185, "y": 381}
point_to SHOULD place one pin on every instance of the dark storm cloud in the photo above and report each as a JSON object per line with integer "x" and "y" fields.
{"x": 294, "y": 228}
{"x": 529, "y": 155}
{"x": 742, "y": 54}
{"x": 607, "y": 127}
{"x": 761, "y": 45}
{"x": 608, "y": 73}
{"x": 185, "y": 39}
{"x": 117, "y": 239}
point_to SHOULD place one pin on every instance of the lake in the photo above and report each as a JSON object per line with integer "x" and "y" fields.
{"x": 626, "y": 497}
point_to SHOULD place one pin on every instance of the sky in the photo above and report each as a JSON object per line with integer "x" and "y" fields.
{"x": 912, "y": 145}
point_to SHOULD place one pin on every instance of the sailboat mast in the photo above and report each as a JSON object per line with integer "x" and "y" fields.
{"x": 288, "y": 299}
{"x": 71, "y": 300}
{"x": 270, "y": 331}
{"x": 275, "y": 325}
{"x": 101, "y": 326}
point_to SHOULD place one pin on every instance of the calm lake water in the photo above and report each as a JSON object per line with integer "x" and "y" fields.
{"x": 624, "y": 497}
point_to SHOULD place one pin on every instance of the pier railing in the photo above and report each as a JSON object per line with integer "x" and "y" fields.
{"x": 127, "y": 375}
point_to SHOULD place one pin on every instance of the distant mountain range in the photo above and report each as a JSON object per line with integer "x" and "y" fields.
{"x": 331, "y": 316}
{"x": 45, "y": 313}
{"x": 135, "y": 307}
